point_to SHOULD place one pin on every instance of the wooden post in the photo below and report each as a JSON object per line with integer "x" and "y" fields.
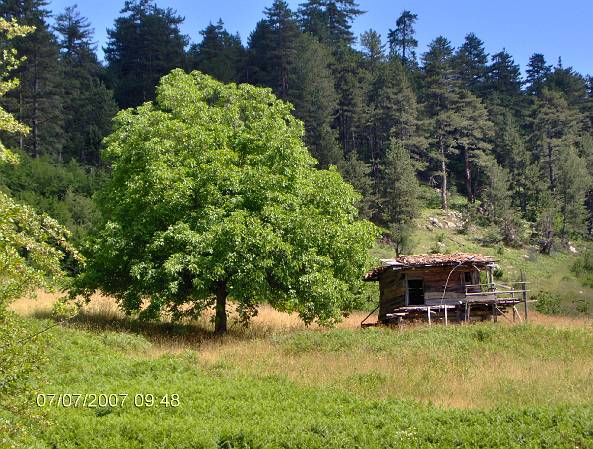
{"x": 428, "y": 311}
{"x": 513, "y": 296}
{"x": 490, "y": 279}
{"x": 446, "y": 322}
{"x": 524, "y": 294}
{"x": 494, "y": 316}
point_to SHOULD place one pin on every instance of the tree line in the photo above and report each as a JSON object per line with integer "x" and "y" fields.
{"x": 400, "y": 126}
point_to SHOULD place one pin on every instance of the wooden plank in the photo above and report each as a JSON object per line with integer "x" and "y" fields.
{"x": 498, "y": 292}
{"x": 524, "y": 293}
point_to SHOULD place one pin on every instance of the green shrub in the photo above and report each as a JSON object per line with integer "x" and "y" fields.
{"x": 498, "y": 272}
{"x": 548, "y": 303}
{"x": 430, "y": 196}
{"x": 582, "y": 306}
{"x": 491, "y": 236}
{"x": 583, "y": 268}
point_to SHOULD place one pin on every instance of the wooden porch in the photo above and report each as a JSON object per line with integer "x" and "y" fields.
{"x": 479, "y": 302}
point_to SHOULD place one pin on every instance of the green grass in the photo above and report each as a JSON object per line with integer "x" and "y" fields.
{"x": 278, "y": 386}
{"x": 223, "y": 404}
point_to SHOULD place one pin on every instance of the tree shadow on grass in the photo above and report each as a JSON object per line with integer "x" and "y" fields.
{"x": 179, "y": 334}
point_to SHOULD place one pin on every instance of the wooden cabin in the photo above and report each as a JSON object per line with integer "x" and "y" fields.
{"x": 442, "y": 287}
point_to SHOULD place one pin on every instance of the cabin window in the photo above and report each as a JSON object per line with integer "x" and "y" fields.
{"x": 415, "y": 292}
{"x": 468, "y": 278}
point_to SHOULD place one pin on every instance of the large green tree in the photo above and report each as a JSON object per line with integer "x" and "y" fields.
{"x": 214, "y": 195}
{"x": 525, "y": 173}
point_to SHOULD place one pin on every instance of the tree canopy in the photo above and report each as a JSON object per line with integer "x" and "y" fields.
{"x": 214, "y": 194}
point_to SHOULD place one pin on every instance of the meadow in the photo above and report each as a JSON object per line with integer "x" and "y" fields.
{"x": 279, "y": 384}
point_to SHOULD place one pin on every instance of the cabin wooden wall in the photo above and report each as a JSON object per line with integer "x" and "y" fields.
{"x": 392, "y": 292}
{"x": 392, "y": 286}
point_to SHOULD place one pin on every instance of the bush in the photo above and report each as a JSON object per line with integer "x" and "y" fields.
{"x": 582, "y": 306}
{"x": 583, "y": 268}
{"x": 491, "y": 236}
{"x": 430, "y": 197}
{"x": 548, "y": 303}
{"x": 498, "y": 272}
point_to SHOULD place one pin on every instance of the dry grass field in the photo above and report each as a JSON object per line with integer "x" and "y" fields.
{"x": 548, "y": 362}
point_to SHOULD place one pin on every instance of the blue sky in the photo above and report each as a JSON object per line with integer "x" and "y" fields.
{"x": 521, "y": 26}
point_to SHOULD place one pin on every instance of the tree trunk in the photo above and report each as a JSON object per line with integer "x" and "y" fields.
{"x": 468, "y": 177}
{"x": 444, "y": 204}
{"x": 220, "y": 326}
{"x": 551, "y": 167}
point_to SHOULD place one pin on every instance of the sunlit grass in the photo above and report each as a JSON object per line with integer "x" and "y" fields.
{"x": 548, "y": 361}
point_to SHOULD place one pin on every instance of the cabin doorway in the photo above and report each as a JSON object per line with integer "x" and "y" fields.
{"x": 415, "y": 292}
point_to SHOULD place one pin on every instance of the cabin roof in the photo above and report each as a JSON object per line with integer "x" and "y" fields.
{"x": 427, "y": 261}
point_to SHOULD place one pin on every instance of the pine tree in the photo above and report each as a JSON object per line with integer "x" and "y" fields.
{"x": 312, "y": 19}
{"x": 144, "y": 44}
{"x": 537, "y": 74}
{"x": 402, "y": 40}
{"x": 587, "y": 106}
{"x": 471, "y": 132}
{"x": 555, "y": 126}
{"x": 511, "y": 150}
{"x": 357, "y": 173}
{"x": 373, "y": 50}
{"x": 471, "y": 63}
{"x": 497, "y": 203}
{"x": 572, "y": 84}
{"x": 37, "y": 101}
{"x": 374, "y": 131}
{"x": 350, "y": 81}
{"x": 220, "y": 54}
{"x": 440, "y": 92}
{"x": 573, "y": 182}
{"x": 88, "y": 104}
{"x": 399, "y": 202}
{"x": 313, "y": 94}
{"x": 273, "y": 49}
{"x": 392, "y": 112}
{"x": 329, "y": 20}
{"x": 503, "y": 82}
